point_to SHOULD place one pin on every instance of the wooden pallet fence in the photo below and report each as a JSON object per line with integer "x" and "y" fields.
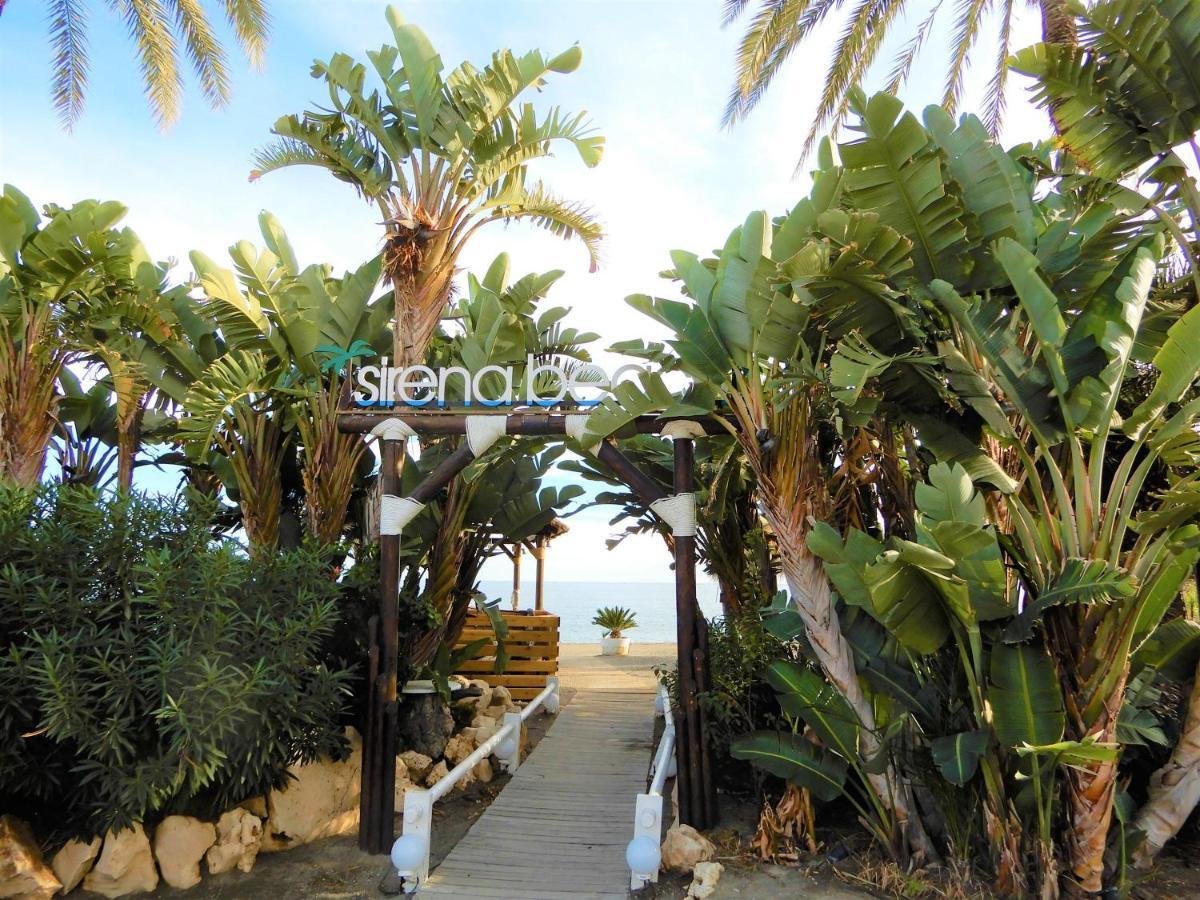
{"x": 532, "y": 645}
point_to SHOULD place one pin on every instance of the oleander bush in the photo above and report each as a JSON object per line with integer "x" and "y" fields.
{"x": 147, "y": 668}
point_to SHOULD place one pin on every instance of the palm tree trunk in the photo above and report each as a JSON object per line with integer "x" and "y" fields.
{"x": 1174, "y": 789}
{"x": 1058, "y": 27}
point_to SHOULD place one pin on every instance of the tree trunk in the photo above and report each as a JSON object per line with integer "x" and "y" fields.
{"x": 1058, "y": 27}
{"x": 1174, "y": 789}
{"x": 1091, "y": 791}
{"x": 811, "y": 593}
{"x": 129, "y": 439}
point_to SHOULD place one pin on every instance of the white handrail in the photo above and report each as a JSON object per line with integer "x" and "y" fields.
{"x": 643, "y": 853}
{"x": 410, "y": 852}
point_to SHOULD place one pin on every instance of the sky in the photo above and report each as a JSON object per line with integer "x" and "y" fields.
{"x": 654, "y": 80}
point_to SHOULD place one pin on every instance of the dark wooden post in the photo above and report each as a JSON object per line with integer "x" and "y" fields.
{"x": 377, "y": 804}
{"x": 690, "y": 737}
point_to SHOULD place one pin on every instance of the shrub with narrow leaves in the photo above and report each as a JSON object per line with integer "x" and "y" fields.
{"x": 146, "y": 669}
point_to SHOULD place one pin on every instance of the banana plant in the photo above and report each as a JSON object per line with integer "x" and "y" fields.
{"x": 761, "y": 326}
{"x": 270, "y": 392}
{"x": 1128, "y": 103}
{"x": 441, "y": 155}
{"x": 59, "y": 275}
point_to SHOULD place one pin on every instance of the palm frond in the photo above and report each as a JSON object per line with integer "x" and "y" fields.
{"x": 855, "y": 52}
{"x": 906, "y": 57}
{"x": 560, "y": 217}
{"x": 966, "y": 31}
{"x": 768, "y": 41}
{"x": 68, "y": 42}
{"x": 148, "y": 27}
{"x": 252, "y": 24}
{"x": 350, "y": 158}
{"x": 205, "y": 52}
{"x": 733, "y": 9}
{"x": 995, "y": 102}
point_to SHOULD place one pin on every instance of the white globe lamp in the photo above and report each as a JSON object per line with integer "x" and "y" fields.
{"x": 408, "y": 854}
{"x": 643, "y": 856}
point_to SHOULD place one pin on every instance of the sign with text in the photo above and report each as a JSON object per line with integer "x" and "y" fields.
{"x": 540, "y": 384}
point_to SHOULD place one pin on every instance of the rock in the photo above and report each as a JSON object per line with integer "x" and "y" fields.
{"x": 425, "y": 724}
{"x": 502, "y": 696}
{"x": 704, "y": 880}
{"x": 458, "y": 749}
{"x": 73, "y": 861}
{"x": 23, "y": 872}
{"x": 417, "y": 764}
{"x": 683, "y": 847}
{"x": 180, "y": 842}
{"x": 484, "y": 700}
{"x": 239, "y": 837}
{"x": 465, "y": 782}
{"x": 470, "y": 734}
{"x": 402, "y": 783}
{"x": 125, "y": 866}
{"x": 459, "y": 681}
{"x": 484, "y": 733}
{"x": 436, "y": 774}
{"x": 483, "y": 771}
{"x": 483, "y": 721}
{"x": 321, "y": 800}
{"x": 496, "y": 712}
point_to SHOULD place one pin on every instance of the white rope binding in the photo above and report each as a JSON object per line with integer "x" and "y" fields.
{"x": 576, "y": 426}
{"x": 678, "y": 511}
{"x": 396, "y": 512}
{"x": 393, "y": 430}
{"x": 483, "y": 431}
{"x": 681, "y": 429}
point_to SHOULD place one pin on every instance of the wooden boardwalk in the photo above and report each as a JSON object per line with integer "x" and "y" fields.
{"x": 559, "y": 828}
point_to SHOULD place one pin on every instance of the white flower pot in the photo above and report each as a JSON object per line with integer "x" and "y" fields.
{"x": 614, "y": 646}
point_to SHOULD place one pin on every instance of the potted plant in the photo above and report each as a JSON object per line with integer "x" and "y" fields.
{"x": 614, "y": 620}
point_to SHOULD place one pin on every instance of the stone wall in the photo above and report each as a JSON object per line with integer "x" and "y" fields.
{"x": 320, "y": 801}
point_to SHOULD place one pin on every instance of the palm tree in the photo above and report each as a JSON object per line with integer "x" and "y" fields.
{"x": 157, "y": 28}
{"x": 441, "y": 157}
{"x": 778, "y": 27}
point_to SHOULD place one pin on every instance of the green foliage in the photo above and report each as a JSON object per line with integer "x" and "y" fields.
{"x": 146, "y": 670}
{"x": 158, "y": 31}
{"x": 738, "y": 701}
{"x": 614, "y": 620}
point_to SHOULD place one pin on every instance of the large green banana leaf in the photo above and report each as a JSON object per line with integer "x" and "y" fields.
{"x": 896, "y": 170}
{"x": 804, "y": 694}
{"x": 957, "y": 755}
{"x": 1026, "y": 700}
{"x": 792, "y": 757}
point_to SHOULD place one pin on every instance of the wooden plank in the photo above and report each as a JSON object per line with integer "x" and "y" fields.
{"x": 570, "y": 803}
{"x": 514, "y": 667}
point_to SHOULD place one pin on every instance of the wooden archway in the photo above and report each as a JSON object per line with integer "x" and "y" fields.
{"x": 697, "y": 794}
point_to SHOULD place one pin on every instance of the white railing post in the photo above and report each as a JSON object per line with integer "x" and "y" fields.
{"x": 647, "y": 833}
{"x": 410, "y": 853}
{"x": 552, "y": 701}
{"x": 509, "y": 750}
{"x": 643, "y": 854}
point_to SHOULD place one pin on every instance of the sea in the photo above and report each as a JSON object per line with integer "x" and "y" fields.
{"x": 575, "y": 602}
